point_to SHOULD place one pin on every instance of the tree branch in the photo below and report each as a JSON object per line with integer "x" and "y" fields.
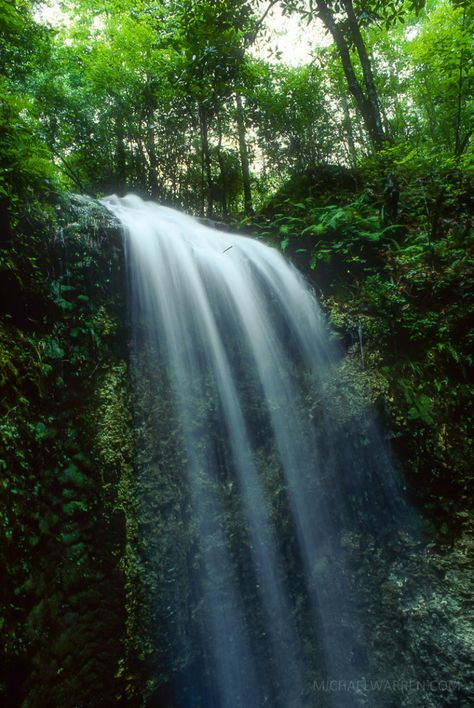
{"x": 250, "y": 39}
{"x": 67, "y": 169}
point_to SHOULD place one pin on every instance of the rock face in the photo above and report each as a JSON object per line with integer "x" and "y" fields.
{"x": 434, "y": 588}
{"x": 81, "y": 490}
{"x": 421, "y": 635}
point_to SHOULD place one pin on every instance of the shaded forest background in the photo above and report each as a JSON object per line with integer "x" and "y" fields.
{"x": 358, "y": 165}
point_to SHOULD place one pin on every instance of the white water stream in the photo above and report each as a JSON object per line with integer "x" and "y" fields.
{"x": 273, "y": 477}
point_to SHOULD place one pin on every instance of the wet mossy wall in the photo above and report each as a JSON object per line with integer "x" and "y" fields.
{"x": 65, "y": 454}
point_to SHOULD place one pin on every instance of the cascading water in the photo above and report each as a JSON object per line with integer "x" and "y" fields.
{"x": 252, "y": 471}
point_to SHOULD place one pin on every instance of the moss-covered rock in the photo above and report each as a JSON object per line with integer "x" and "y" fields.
{"x": 63, "y": 606}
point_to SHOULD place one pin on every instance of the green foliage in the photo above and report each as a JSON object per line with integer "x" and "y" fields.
{"x": 26, "y": 170}
{"x": 400, "y": 299}
{"x": 333, "y": 233}
{"x": 142, "y": 97}
{"x": 367, "y": 12}
{"x": 275, "y": 93}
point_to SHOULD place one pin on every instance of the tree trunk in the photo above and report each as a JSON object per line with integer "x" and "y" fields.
{"x": 347, "y": 124}
{"x": 368, "y": 104}
{"x": 222, "y": 171}
{"x": 460, "y": 144}
{"x": 141, "y": 160}
{"x": 120, "y": 155}
{"x": 244, "y": 156}
{"x": 153, "y": 161}
{"x": 370, "y": 88}
{"x": 206, "y": 157}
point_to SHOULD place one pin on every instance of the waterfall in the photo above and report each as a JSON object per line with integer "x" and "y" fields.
{"x": 253, "y": 471}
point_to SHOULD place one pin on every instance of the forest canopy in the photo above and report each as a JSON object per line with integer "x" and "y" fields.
{"x": 173, "y": 100}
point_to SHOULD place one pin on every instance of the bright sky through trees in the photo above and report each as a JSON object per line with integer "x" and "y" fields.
{"x": 287, "y": 39}
{"x": 292, "y": 41}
